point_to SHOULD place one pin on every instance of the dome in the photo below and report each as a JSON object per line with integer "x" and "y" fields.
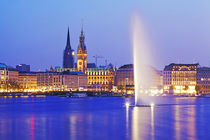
{"x": 2, "y": 65}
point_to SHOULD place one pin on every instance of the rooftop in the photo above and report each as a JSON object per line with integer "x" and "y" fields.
{"x": 127, "y": 66}
{"x": 171, "y": 66}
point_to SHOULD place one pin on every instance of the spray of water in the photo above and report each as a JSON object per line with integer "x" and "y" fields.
{"x": 142, "y": 60}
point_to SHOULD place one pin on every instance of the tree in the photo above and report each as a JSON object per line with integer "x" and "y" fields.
{"x": 198, "y": 88}
{"x": 120, "y": 87}
{"x": 13, "y": 85}
{"x": 186, "y": 87}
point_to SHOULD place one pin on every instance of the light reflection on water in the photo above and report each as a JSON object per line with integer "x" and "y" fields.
{"x": 32, "y": 128}
{"x": 143, "y": 123}
{"x": 72, "y": 123}
{"x": 177, "y": 123}
{"x": 102, "y": 118}
{"x": 152, "y": 122}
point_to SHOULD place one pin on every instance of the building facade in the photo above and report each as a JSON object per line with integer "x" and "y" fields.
{"x": 3, "y": 77}
{"x": 203, "y": 80}
{"x": 100, "y": 79}
{"x": 27, "y": 81}
{"x": 9, "y": 78}
{"x": 13, "y": 75}
{"x": 74, "y": 81}
{"x": 124, "y": 79}
{"x": 49, "y": 81}
{"x": 180, "y": 78}
{"x": 68, "y": 55}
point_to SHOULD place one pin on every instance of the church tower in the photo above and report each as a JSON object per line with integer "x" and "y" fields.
{"x": 82, "y": 54}
{"x": 68, "y": 55}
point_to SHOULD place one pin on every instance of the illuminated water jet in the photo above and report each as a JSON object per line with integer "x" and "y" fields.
{"x": 142, "y": 62}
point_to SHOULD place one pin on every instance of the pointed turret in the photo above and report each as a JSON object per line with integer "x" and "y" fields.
{"x": 82, "y": 38}
{"x": 82, "y": 46}
{"x": 51, "y": 69}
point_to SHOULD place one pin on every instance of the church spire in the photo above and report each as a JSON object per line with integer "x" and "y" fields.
{"x": 68, "y": 57}
{"x": 68, "y": 40}
{"x": 82, "y": 26}
{"x": 82, "y": 38}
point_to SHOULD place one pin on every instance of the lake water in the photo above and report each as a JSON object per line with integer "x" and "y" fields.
{"x": 103, "y": 118}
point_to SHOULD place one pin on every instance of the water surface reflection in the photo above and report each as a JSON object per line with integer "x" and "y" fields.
{"x": 102, "y": 118}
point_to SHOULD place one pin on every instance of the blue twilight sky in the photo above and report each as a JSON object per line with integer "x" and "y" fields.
{"x": 34, "y": 31}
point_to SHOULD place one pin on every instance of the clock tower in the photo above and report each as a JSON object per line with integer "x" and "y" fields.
{"x": 82, "y": 54}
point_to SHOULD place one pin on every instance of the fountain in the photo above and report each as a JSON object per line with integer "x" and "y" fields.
{"x": 142, "y": 62}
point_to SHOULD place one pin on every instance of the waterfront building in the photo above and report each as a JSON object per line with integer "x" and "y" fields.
{"x": 100, "y": 79}
{"x": 12, "y": 75}
{"x": 180, "y": 78}
{"x": 3, "y": 72}
{"x": 124, "y": 79}
{"x": 49, "y": 81}
{"x": 203, "y": 80}
{"x": 68, "y": 55}
{"x": 57, "y": 82}
{"x": 23, "y": 68}
{"x": 3, "y": 77}
{"x": 9, "y": 78}
{"x": 27, "y": 81}
{"x": 74, "y": 81}
{"x": 82, "y": 54}
{"x": 44, "y": 81}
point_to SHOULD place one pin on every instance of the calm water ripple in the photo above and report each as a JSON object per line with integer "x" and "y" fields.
{"x": 103, "y": 118}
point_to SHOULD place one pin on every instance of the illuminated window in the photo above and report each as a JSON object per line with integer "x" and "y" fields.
{"x": 2, "y": 72}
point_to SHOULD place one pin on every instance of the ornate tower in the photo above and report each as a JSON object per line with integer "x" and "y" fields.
{"x": 82, "y": 54}
{"x": 68, "y": 55}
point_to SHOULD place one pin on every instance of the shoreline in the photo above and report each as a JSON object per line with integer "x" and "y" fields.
{"x": 86, "y": 94}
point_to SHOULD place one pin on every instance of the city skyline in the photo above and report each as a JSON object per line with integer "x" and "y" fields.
{"x": 104, "y": 70}
{"x": 39, "y": 39}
